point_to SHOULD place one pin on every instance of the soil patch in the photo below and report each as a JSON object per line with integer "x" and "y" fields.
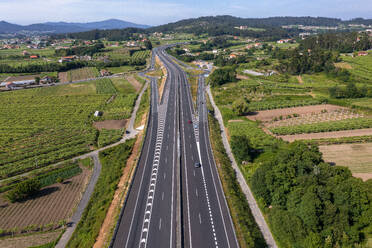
{"x": 327, "y": 135}
{"x": 241, "y": 77}
{"x": 336, "y": 115}
{"x": 53, "y": 204}
{"x": 134, "y": 82}
{"x": 63, "y": 77}
{"x": 29, "y": 240}
{"x": 235, "y": 120}
{"x": 357, "y": 157}
{"x": 343, "y": 65}
{"x": 110, "y": 124}
{"x": 269, "y": 115}
{"x": 21, "y": 78}
{"x": 300, "y": 81}
{"x": 363, "y": 176}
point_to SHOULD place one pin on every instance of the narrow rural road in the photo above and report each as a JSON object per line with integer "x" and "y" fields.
{"x": 260, "y": 220}
{"x": 71, "y": 225}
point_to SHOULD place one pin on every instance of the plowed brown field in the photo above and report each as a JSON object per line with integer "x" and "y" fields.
{"x": 53, "y": 204}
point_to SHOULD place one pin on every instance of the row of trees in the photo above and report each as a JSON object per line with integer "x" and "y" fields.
{"x": 80, "y": 50}
{"x": 60, "y": 67}
{"x": 223, "y": 75}
{"x": 350, "y": 91}
{"x": 299, "y": 61}
{"x": 113, "y": 34}
{"x": 341, "y": 42}
{"x": 311, "y": 203}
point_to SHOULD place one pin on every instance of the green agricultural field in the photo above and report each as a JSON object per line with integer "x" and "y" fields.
{"x": 141, "y": 54}
{"x": 45, "y": 125}
{"x": 329, "y": 126}
{"x": 121, "y": 69}
{"x": 123, "y": 86}
{"x": 360, "y": 67}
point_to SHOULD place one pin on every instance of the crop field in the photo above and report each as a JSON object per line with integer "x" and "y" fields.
{"x": 78, "y": 74}
{"x": 270, "y": 115}
{"x": 117, "y": 53}
{"x": 361, "y": 67}
{"x": 348, "y": 136}
{"x": 134, "y": 82}
{"x": 357, "y": 157}
{"x": 52, "y": 205}
{"x": 105, "y": 86}
{"x": 121, "y": 69}
{"x": 141, "y": 54}
{"x": 47, "y": 125}
{"x": 328, "y": 126}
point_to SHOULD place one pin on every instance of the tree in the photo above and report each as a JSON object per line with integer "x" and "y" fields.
{"x": 241, "y": 106}
{"x": 148, "y": 45}
{"x": 242, "y": 148}
{"x": 24, "y": 190}
{"x": 37, "y": 80}
{"x": 223, "y": 75}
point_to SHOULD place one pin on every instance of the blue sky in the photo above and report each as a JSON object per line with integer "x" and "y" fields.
{"x": 155, "y": 12}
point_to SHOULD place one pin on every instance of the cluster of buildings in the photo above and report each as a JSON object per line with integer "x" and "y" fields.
{"x": 283, "y": 41}
{"x": 23, "y": 81}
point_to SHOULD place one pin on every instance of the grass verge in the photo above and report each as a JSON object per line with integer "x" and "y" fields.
{"x": 113, "y": 160}
{"x": 247, "y": 231}
{"x": 143, "y": 107}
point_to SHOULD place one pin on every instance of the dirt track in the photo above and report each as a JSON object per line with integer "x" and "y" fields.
{"x": 326, "y": 135}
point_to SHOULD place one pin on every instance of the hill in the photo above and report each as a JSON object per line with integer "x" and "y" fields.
{"x": 65, "y": 27}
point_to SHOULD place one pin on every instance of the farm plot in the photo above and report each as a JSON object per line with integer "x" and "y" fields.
{"x": 141, "y": 54}
{"x": 47, "y": 125}
{"x": 78, "y": 74}
{"x": 38, "y": 130}
{"x": 329, "y": 135}
{"x": 52, "y": 205}
{"x": 269, "y": 115}
{"x": 292, "y": 120}
{"x": 357, "y": 157}
{"x": 329, "y": 126}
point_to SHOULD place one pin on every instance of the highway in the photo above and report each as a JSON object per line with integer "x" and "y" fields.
{"x": 171, "y": 203}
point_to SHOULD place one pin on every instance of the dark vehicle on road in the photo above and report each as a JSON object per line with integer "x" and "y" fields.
{"x": 197, "y": 165}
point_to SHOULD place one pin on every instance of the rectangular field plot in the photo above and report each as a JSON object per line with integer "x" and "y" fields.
{"x": 39, "y": 127}
{"x": 357, "y": 157}
{"x": 52, "y": 204}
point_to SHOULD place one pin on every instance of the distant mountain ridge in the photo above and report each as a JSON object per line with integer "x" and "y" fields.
{"x": 66, "y": 27}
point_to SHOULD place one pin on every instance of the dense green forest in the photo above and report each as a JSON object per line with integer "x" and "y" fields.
{"x": 341, "y": 42}
{"x": 60, "y": 67}
{"x": 312, "y": 204}
{"x": 113, "y": 34}
{"x": 80, "y": 50}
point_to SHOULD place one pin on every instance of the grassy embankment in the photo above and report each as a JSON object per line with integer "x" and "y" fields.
{"x": 113, "y": 161}
{"x": 247, "y": 231}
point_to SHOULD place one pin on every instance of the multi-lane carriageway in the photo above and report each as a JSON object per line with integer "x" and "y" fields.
{"x": 172, "y": 203}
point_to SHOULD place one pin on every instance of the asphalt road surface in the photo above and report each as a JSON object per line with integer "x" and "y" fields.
{"x": 176, "y": 139}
